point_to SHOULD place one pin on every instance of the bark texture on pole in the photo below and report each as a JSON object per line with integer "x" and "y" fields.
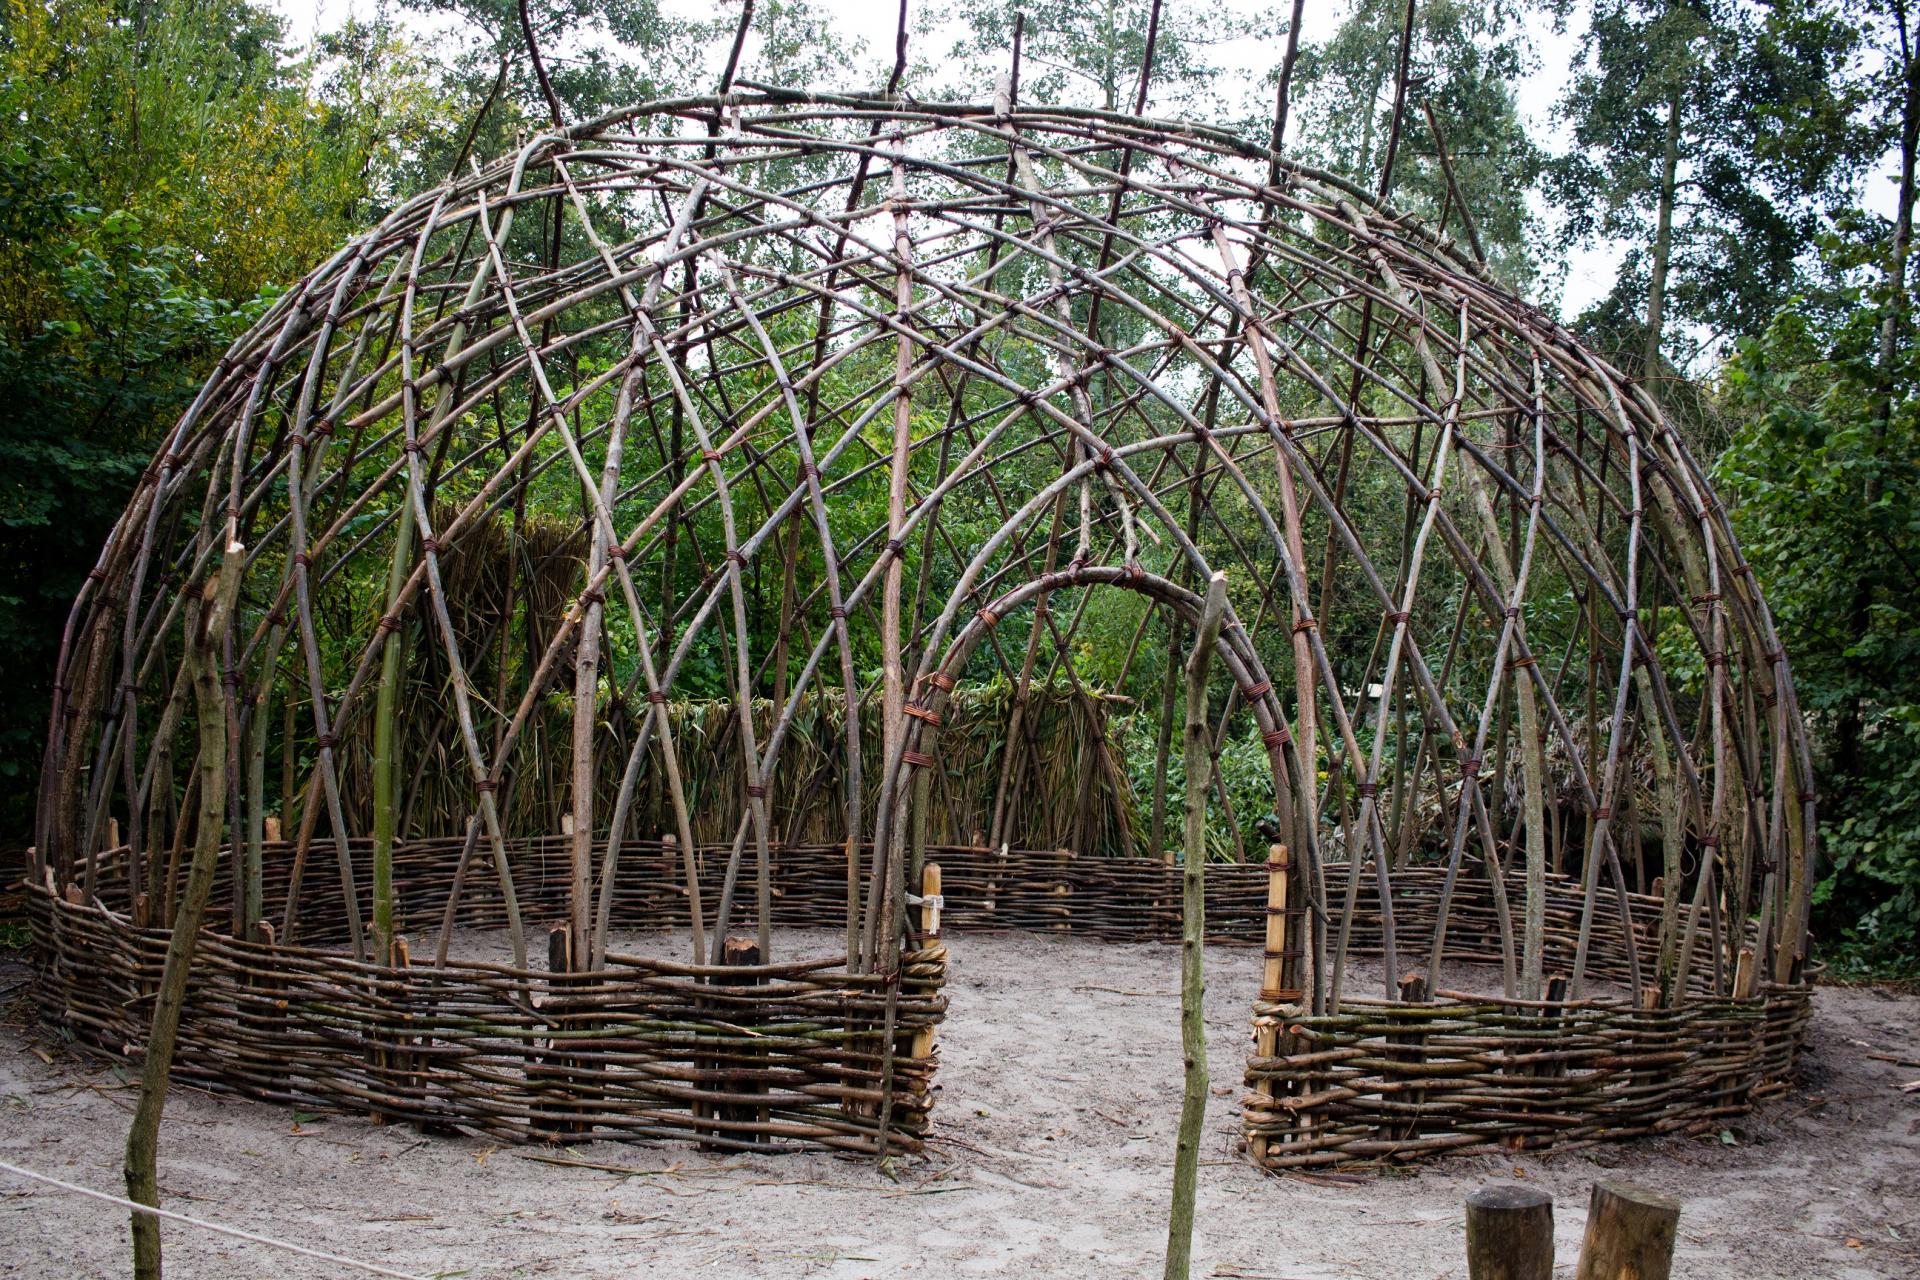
{"x": 1193, "y": 930}
{"x": 143, "y": 1137}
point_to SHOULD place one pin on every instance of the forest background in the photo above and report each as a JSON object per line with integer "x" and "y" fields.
{"x": 1717, "y": 194}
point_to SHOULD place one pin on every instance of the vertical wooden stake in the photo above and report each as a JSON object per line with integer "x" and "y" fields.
{"x": 930, "y": 901}
{"x": 271, "y": 983}
{"x": 1630, "y": 1234}
{"x": 1413, "y": 990}
{"x": 1266, "y": 1035}
{"x": 403, "y": 1057}
{"x": 1509, "y": 1233}
{"x": 930, "y": 905}
{"x": 555, "y": 1069}
{"x": 1744, "y": 975}
{"x": 741, "y": 953}
{"x": 1193, "y": 931}
{"x": 1273, "y": 974}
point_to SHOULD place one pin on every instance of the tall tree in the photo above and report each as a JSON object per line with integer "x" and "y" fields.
{"x": 1089, "y": 54}
{"x": 1464, "y": 59}
{"x": 598, "y": 55}
{"x": 162, "y": 169}
{"x": 1825, "y": 491}
{"x": 1712, "y": 137}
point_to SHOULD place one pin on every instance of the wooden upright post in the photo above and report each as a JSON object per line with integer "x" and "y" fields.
{"x": 1266, "y": 1035}
{"x": 742, "y": 953}
{"x": 931, "y": 904}
{"x": 556, "y": 1069}
{"x": 1274, "y": 974}
{"x": 1193, "y": 932}
{"x": 1509, "y": 1233}
{"x": 207, "y": 620}
{"x": 930, "y": 901}
{"x": 1630, "y": 1234}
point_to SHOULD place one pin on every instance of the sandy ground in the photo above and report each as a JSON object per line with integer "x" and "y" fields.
{"x": 1059, "y": 1094}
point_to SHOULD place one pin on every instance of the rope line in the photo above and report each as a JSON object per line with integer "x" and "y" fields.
{"x": 288, "y": 1245}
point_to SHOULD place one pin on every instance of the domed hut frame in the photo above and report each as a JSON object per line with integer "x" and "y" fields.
{"x": 718, "y": 397}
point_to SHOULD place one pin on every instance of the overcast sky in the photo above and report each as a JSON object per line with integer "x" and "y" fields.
{"x": 1589, "y": 273}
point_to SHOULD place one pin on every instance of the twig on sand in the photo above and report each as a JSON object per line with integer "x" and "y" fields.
{"x": 625, "y": 1171}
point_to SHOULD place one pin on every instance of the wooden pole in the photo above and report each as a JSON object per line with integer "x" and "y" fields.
{"x": 1266, "y": 1036}
{"x": 1630, "y": 1234}
{"x": 930, "y": 900}
{"x": 143, "y": 1136}
{"x": 1193, "y": 1029}
{"x": 1273, "y": 974}
{"x": 743, "y": 953}
{"x": 930, "y": 905}
{"x": 1509, "y": 1233}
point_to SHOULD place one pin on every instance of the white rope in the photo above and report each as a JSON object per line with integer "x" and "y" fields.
{"x": 288, "y": 1245}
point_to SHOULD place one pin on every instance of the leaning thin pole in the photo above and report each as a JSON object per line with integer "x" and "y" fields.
{"x": 206, "y": 623}
{"x": 1198, "y": 740}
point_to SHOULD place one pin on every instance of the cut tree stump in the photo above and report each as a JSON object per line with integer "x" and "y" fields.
{"x": 1509, "y": 1233}
{"x": 1630, "y": 1233}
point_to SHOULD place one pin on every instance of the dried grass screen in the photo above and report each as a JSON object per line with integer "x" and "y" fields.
{"x": 777, "y": 429}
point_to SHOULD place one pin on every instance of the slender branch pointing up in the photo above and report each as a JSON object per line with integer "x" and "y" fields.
{"x": 539, "y": 67}
{"x": 739, "y": 42}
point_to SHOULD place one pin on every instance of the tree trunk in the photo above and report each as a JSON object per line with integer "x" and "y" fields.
{"x": 1163, "y": 741}
{"x": 1663, "y": 238}
{"x": 1851, "y": 722}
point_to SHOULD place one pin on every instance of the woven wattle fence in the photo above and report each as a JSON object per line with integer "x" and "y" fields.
{"x": 789, "y": 1055}
{"x": 1395, "y": 1080}
{"x": 753, "y": 1058}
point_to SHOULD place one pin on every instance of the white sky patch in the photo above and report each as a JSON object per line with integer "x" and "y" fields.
{"x": 1245, "y": 62}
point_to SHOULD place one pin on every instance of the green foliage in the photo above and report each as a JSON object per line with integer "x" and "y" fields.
{"x": 162, "y": 170}
{"x": 1464, "y": 61}
{"x": 1822, "y": 478}
{"x": 1769, "y": 143}
{"x": 1087, "y": 53}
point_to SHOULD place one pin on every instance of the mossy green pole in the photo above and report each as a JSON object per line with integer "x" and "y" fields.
{"x": 1198, "y": 740}
{"x": 386, "y": 803}
{"x": 206, "y": 622}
